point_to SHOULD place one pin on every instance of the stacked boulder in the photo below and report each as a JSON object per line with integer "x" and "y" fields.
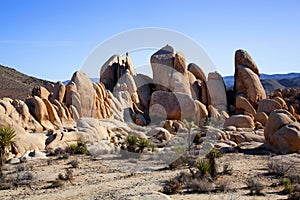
{"x": 180, "y": 91}
{"x": 282, "y": 132}
{"x": 248, "y": 92}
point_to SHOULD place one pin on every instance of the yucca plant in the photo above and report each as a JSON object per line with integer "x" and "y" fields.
{"x": 7, "y": 136}
{"x": 142, "y": 144}
{"x": 203, "y": 167}
{"x": 132, "y": 142}
{"x": 211, "y": 156}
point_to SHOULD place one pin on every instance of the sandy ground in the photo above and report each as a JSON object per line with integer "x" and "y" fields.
{"x": 111, "y": 177}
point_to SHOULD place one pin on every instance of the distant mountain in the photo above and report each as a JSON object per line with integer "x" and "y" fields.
{"x": 16, "y": 85}
{"x": 92, "y": 79}
{"x": 271, "y": 82}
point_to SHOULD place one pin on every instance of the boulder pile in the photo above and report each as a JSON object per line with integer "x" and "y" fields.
{"x": 125, "y": 103}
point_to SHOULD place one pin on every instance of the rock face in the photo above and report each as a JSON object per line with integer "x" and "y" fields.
{"x": 282, "y": 132}
{"x": 173, "y": 106}
{"x": 246, "y": 79}
{"x": 217, "y": 91}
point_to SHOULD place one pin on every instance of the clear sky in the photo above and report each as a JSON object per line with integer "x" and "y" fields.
{"x": 51, "y": 39}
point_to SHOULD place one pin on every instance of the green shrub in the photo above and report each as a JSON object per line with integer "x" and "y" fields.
{"x": 131, "y": 142}
{"x": 136, "y": 145}
{"x": 7, "y": 136}
{"x": 78, "y": 148}
{"x": 203, "y": 167}
{"x": 211, "y": 156}
{"x": 142, "y": 144}
{"x": 288, "y": 188}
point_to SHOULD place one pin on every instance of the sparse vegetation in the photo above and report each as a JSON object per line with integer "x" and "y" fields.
{"x": 211, "y": 156}
{"x": 279, "y": 168}
{"x": 78, "y": 148}
{"x": 288, "y": 188}
{"x": 136, "y": 145}
{"x": 142, "y": 144}
{"x": 172, "y": 186}
{"x": 67, "y": 176}
{"x": 203, "y": 167}
{"x": 255, "y": 186}
{"x": 7, "y": 136}
{"x": 200, "y": 185}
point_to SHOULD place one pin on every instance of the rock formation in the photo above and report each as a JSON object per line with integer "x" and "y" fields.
{"x": 246, "y": 79}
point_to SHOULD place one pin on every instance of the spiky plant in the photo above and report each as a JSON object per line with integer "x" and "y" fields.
{"x": 142, "y": 144}
{"x": 203, "y": 167}
{"x": 131, "y": 142}
{"x": 211, "y": 156}
{"x": 7, "y": 136}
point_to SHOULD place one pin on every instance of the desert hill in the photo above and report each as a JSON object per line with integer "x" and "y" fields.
{"x": 17, "y": 85}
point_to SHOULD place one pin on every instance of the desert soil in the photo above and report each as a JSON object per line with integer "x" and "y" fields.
{"x": 111, "y": 177}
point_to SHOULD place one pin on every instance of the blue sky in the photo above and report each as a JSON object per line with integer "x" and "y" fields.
{"x": 51, "y": 39}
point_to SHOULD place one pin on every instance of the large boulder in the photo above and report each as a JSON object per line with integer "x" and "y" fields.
{"x": 23, "y": 117}
{"x": 87, "y": 94}
{"x": 197, "y": 71}
{"x": 41, "y": 92}
{"x": 261, "y": 117}
{"x": 286, "y": 139}
{"x": 239, "y": 121}
{"x": 162, "y": 63}
{"x": 39, "y": 111}
{"x": 242, "y": 57}
{"x": 268, "y": 105}
{"x": 246, "y": 79}
{"x": 217, "y": 91}
{"x": 277, "y": 119}
{"x": 174, "y": 106}
{"x": 242, "y": 106}
{"x": 169, "y": 71}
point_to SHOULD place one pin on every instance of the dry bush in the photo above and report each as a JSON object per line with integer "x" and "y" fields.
{"x": 254, "y": 186}
{"x": 279, "y": 168}
{"x": 172, "y": 186}
{"x": 67, "y": 176}
{"x": 200, "y": 185}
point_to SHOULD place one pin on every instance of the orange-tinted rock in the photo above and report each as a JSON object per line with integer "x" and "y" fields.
{"x": 268, "y": 105}
{"x": 239, "y": 121}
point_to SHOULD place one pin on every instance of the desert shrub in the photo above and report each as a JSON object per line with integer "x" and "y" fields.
{"x": 200, "y": 185}
{"x": 203, "y": 167}
{"x": 131, "y": 142}
{"x": 7, "y": 136}
{"x": 142, "y": 144}
{"x": 288, "y": 188}
{"x": 279, "y": 168}
{"x": 136, "y": 145}
{"x": 67, "y": 176}
{"x": 172, "y": 186}
{"x": 78, "y": 148}
{"x": 254, "y": 186}
{"x": 227, "y": 169}
{"x": 294, "y": 196}
{"x": 211, "y": 156}
{"x": 179, "y": 162}
{"x": 223, "y": 186}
